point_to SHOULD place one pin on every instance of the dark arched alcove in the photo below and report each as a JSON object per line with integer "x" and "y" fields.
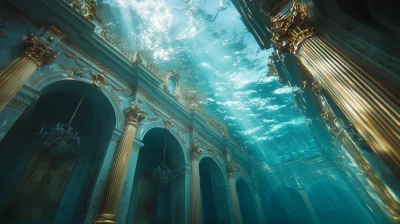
{"x": 333, "y": 206}
{"x": 248, "y": 207}
{"x": 39, "y": 188}
{"x": 288, "y": 207}
{"x": 150, "y": 202}
{"x": 214, "y": 192}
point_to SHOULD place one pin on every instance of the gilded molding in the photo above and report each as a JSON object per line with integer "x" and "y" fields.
{"x": 38, "y": 51}
{"x": 288, "y": 33}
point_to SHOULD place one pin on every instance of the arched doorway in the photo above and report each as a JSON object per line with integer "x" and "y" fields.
{"x": 333, "y": 206}
{"x": 288, "y": 207}
{"x": 214, "y": 192}
{"x": 151, "y": 202}
{"x": 41, "y": 186}
{"x": 248, "y": 207}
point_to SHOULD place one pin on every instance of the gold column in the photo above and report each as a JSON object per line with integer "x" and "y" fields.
{"x": 195, "y": 196}
{"x": 237, "y": 217}
{"x": 369, "y": 101}
{"x": 113, "y": 190}
{"x": 13, "y": 77}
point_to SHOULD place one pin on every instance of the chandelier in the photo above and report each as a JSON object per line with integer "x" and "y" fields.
{"x": 162, "y": 174}
{"x": 61, "y": 141}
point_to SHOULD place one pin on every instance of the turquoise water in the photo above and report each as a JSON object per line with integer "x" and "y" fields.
{"x": 209, "y": 46}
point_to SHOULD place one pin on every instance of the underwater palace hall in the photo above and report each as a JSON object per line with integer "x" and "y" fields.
{"x": 199, "y": 112}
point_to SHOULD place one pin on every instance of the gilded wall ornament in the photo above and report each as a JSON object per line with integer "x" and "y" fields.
{"x": 38, "y": 51}
{"x": 171, "y": 84}
{"x": 220, "y": 128}
{"x": 168, "y": 124}
{"x": 87, "y": 8}
{"x": 288, "y": 33}
{"x": 98, "y": 79}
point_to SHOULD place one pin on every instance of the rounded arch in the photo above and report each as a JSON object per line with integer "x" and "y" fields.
{"x": 145, "y": 128}
{"x": 44, "y": 82}
{"x": 150, "y": 201}
{"x": 287, "y": 206}
{"x": 70, "y": 176}
{"x": 174, "y": 148}
{"x": 217, "y": 168}
{"x": 247, "y": 204}
{"x": 214, "y": 192}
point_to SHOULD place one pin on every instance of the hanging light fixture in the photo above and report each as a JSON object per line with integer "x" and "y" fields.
{"x": 61, "y": 141}
{"x": 162, "y": 174}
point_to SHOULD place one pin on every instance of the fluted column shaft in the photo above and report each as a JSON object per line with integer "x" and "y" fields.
{"x": 115, "y": 182}
{"x": 372, "y": 108}
{"x": 237, "y": 217}
{"x": 195, "y": 194}
{"x": 13, "y": 77}
{"x": 369, "y": 101}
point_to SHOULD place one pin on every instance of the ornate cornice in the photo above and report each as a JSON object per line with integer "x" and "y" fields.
{"x": 38, "y": 51}
{"x": 134, "y": 115}
{"x": 288, "y": 33}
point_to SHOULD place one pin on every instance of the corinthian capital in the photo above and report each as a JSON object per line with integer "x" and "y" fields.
{"x": 38, "y": 51}
{"x": 231, "y": 169}
{"x": 289, "y": 32}
{"x": 196, "y": 151}
{"x": 134, "y": 115}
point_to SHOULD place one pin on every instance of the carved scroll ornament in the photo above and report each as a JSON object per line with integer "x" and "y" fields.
{"x": 38, "y": 51}
{"x": 134, "y": 115}
{"x": 288, "y": 33}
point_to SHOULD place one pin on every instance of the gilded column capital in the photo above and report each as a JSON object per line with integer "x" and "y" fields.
{"x": 231, "y": 169}
{"x": 134, "y": 115}
{"x": 288, "y": 33}
{"x": 273, "y": 7}
{"x": 195, "y": 151}
{"x": 38, "y": 51}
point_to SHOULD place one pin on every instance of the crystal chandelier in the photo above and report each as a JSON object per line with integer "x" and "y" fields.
{"x": 61, "y": 141}
{"x": 162, "y": 174}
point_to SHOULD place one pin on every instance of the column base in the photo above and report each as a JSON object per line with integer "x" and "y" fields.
{"x": 105, "y": 219}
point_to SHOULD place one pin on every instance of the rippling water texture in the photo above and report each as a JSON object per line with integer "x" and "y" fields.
{"x": 208, "y": 45}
